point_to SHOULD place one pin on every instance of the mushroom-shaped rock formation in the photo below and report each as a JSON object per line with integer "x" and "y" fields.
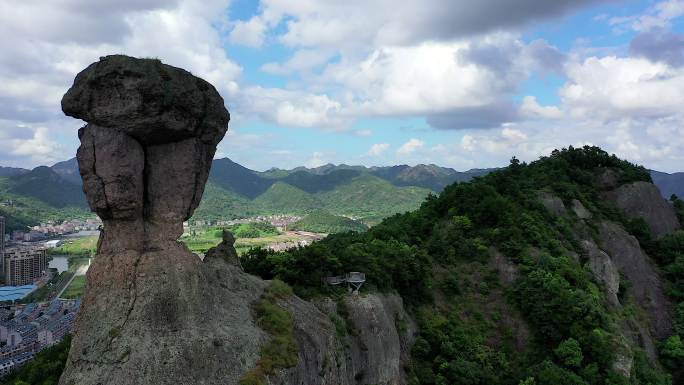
{"x": 153, "y": 312}
{"x": 146, "y": 151}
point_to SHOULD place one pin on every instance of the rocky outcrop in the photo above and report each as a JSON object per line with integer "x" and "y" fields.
{"x": 373, "y": 348}
{"x": 643, "y": 200}
{"x": 225, "y": 250}
{"x": 581, "y": 211}
{"x": 146, "y": 151}
{"x": 645, "y": 285}
{"x": 603, "y": 269}
{"x": 155, "y": 313}
{"x": 552, "y": 203}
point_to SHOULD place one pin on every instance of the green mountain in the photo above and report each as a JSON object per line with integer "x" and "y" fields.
{"x": 221, "y": 203}
{"x": 284, "y": 198}
{"x": 324, "y": 222}
{"x": 11, "y": 171}
{"x": 371, "y": 198}
{"x": 68, "y": 170}
{"x": 44, "y": 184}
{"x": 233, "y": 191}
{"x": 29, "y": 198}
{"x": 568, "y": 270}
{"x": 231, "y": 176}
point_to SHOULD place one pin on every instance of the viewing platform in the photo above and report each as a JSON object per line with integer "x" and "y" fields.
{"x": 353, "y": 279}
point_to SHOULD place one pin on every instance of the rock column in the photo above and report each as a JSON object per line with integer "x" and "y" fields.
{"x": 153, "y": 312}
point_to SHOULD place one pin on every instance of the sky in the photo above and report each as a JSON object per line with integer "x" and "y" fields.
{"x": 458, "y": 83}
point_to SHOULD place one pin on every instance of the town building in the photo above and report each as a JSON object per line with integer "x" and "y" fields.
{"x": 30, "y": 328}
{"x": 23, "y": 265}
{"x": 53, "y": 244}
{"x": 2, "y": 245}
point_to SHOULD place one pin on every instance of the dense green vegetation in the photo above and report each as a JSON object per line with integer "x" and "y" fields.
{"x": 45, "y": 185}
{"x": 679, "y": 207}
{"x": 439, "y": 259}
{"x": 253, "y": 230}
{"x": 324, "y": 222}
{"x": 219, "y": 203}
{"x": 281, "y": 351}
{"x": 44, "y": 369}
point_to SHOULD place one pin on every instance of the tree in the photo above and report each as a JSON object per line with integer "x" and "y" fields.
{"x": 569, "y": 353}
{"x": 672, "y": 353}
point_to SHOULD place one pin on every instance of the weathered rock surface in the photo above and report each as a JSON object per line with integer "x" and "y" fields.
{"x": 150, "y": 101}
{"x": 373, "y": 351}
{"x": 603, "y": 269}
{"x": 225, "y": 250}
{"x": 552, "y": 203}
{"x": 645, "y": 285}
{"x": 579, "y": 210}
{"x": 643, "y": 200}
{"x": 155, "y": 313}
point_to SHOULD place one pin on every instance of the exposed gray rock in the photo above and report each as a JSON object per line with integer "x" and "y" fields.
{"x": 376, "y": 357}
{"x": 375, "y": 352}
{"x": 579, "y": 210}
{"x": 607, "y": 179}
{"x": 645, "y": 285}
{"x": 152, "y": 102}
{"x": 552, "y": 203}
{"x": 507, "y": 271}
{"x": 165, "y": 318}
{"x": 225, "y": 250}
{"x": 153, "y": 312}
{"x": 623, "y": 362}
{"x": 643, "y": 200}
{"x": 603, "y": 269}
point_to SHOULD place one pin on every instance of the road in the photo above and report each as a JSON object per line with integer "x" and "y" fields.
{"x": 82, "y": 270}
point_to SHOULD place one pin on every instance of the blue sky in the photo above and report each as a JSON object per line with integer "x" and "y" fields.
{"x": 457, "y": 83}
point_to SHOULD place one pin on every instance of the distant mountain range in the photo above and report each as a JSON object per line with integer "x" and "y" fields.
{"x": 669, "y": 183}
{"x": 366, "y": 193}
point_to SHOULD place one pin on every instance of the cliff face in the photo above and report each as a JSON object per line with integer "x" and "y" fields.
{"x": 618, "y": 262}
{"x": 643, "y": 200}
{"x": 373, "y": 349}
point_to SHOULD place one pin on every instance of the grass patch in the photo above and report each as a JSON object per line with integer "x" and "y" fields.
{"x": 281, "y": 351}
{"x": 76, "y": 288}
{"x": 199, "y": 241}
{"x": 77, "y": 246}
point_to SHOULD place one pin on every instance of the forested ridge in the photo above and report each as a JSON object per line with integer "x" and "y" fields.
{"x": 550, "y": 323}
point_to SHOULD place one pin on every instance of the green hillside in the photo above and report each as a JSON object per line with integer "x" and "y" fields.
{"x": 219, "y": 203}
{"x": 499, "y": 286}
{"x": 368, "y": 196}
{"x": 324, "y": 222}
{"x": 286, "y": 199}
{"x": 45, "y": 185}
{"x": 26, "y": 210}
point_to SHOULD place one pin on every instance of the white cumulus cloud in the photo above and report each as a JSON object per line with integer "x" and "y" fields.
{"x": 378, "y": 149}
